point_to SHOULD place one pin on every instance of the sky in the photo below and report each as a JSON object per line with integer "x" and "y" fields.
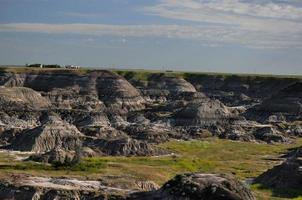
{"x": 235, "y": 36}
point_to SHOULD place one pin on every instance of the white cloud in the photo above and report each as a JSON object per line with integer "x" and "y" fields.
{"x": 223, "y": 11}
{"x": 252, "y": 23}
{"x": 274, "y": 23}
{"x": 210, "y": 34}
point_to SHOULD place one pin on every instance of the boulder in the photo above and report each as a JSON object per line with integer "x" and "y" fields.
{"x": 199, "y": 187}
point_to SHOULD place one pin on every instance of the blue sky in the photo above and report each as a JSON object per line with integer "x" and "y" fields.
{"x": 244, "y": 36}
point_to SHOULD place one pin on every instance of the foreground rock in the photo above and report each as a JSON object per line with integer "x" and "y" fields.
{"x": 285, "y": 179}
{"x": 182, "y": 187}
{"x": 22, "y": 187}
{"x": 200, "y": 186}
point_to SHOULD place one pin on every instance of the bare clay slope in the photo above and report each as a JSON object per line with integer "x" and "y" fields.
{"x": 117, "y": 116}
{"x": 61, "y": 114}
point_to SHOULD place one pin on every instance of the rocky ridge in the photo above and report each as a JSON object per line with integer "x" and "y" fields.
{"x": 61, "y": 116}
{"x": 116, "y": 115}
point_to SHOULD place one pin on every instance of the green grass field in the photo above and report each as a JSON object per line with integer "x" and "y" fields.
{"x": 142, "y": 75}
{"x": 244, "y": 160}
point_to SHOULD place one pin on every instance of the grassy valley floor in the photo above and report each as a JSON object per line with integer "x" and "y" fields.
{"x": 242, "y": 159}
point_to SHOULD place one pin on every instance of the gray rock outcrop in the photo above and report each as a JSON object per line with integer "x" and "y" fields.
{"x": 200, "y": 187}
{"x": 205, "y": 112}
{"x": 182, "y": 187}
{"x": 52, "y": 133}
{"x": 284, "y": 104}
{"x": 57, "y": 156}
{"x": 124, "y": 147}
{"x": 21, "y": 98}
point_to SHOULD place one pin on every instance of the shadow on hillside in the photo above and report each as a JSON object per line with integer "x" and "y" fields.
{"x": 284, "y": 180}
{"x": 282, "y": 193}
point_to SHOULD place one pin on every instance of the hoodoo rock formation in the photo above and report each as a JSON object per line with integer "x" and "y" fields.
{"x": 205, "y": 112}
{"x": 52, "y": 133}
{"x": 123, "y": 115}
{"x": 59, "y": 115}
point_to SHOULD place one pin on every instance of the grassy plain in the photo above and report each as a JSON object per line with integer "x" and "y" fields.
{"x": 142, "y": 75}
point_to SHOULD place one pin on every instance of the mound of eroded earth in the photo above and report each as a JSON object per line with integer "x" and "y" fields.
{"x": 103, "y": 111}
